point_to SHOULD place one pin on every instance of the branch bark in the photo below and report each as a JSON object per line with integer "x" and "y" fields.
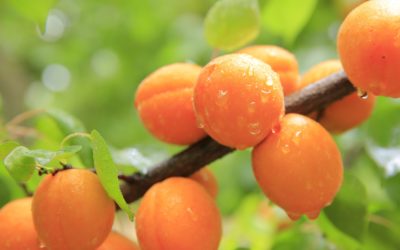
{"x": 313, "y": 97}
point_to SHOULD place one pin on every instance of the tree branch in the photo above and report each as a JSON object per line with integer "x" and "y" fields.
{"x": 311, "y": 98}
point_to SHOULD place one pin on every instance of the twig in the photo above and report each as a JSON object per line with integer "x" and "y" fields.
{"x": 196, "y": 156}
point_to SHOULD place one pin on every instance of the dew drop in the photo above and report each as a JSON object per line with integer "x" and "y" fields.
{"x": 269, "y": 81}
{"x": 285, "y": 149}
{"x": 222, "y": 98}
{"x": 293, "y": 215}
{"x": 313, "y": 215}
{"x": 275, "y": 129}
{"x": 252, "y": 107}
{"x": 200, "y": 121}
{"x": 254, "y": 128}
{"x": 362, "y": 94}
{"x": 296, "y": 138}
{"x": 250, "y": 71}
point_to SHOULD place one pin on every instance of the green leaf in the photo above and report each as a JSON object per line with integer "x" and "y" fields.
{"x": 348, "y": 211}
{"x": 44, "y": 157}
{"x": 107, "y": 171}
{"x": 5, "y": 192}
{"x": 230, "y": 24}
{"x": 392, "y": 187}
{"x": 20, "y": 164}
{"x": 33, "y": 10}
{"x": 68, "y": 125}
{"x": 287, "y": 18}
{"x": 6, "y": 148}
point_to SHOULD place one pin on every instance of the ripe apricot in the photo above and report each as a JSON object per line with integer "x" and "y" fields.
{"x": 238, "y": 99}
{"x": 116, "y": 241}
{"x": 178, "y": 214}
{"x": 345, "y": 113}
{"x": 369, "y": 47}
{"x": 16, "y": 226}
{"x": 207, "y": 179}
{"x": 299, "y": 167}
{"x": 71, "y": 210}
{"x": 281, "y": 61}
{"x": 164, "y": 102}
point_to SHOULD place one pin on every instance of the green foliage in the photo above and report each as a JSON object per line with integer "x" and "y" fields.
{"x": 107, "y": 171}
{"x": 287, "y": 18}
{"x": 20, "y": 164}
{"x": 230, "y": 24}
{"x": 348, "y": 212}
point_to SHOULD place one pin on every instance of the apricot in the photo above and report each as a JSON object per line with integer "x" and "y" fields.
{"x": 116, "y": 241}
{"x": 164, "y": 101}
{"x": 346, "y": 113}
{"x": 299, "y": 167}
{"x": 207, "y": 179}
{"x": 238, "y": 99}
{"x": 369, "y": 47}
{"x": 16, "y": 226}
{"x": 178, "y": 214}
{"x": 71, "y": 210}
{"x": 281, "y": 61}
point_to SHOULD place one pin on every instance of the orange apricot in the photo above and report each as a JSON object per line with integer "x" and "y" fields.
{"x": 281, "y": 61}
{"x": 299, "y": 167}
{"x": 178, "y": 214}
{"x": 238, "y": 99}
{"x": 164, "y": 102}
{"x": 345, "y": 113}
{"x": 16, "y": 226}
{"x": 207, "y": 179}
{"x": 116, "y": 241}
{"x": 369, "y": 47}
{"x": 71, "y": 210}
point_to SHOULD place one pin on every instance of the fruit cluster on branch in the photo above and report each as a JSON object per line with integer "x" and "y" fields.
{"x": 312, "y": 98}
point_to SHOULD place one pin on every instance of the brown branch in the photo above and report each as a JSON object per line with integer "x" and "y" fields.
{"x": 313, "y": 97}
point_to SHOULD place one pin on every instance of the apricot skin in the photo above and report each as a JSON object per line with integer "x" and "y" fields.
{"x": 281, "y": 61}
{"x": 207, "y": 179}
{"x": 71, "y": 210}
{"x": 164, "y": 101}
{"x": 369, "y": 47}
{"x": 178, "y": 214}
{"x": 17, "y": 231}
{"x": 116, "y": 241}
{"x": 238, "y": 99}
{"x": 299, "y": 167}
{"x": 346, "y": 113}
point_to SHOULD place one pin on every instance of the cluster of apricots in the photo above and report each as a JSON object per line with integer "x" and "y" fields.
{"x": 238, "y": 100}
{"x": 71, "y": 210}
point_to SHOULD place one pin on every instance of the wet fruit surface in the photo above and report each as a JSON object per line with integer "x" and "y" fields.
{"x": 369, "y": 47}
{"x": 298, "y": 167}
{"x": 178, "y": 214}
{"x": 238, "y": 99}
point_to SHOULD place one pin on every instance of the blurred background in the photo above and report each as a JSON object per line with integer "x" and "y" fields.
{"x": 88, "y": 57}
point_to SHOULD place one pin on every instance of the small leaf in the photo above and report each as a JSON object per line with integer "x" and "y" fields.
{"x": 107, "y": 171}
{"x": 32, "y": 10}
{"x": 287, "y": 18}
{"x": 20, "y": 164}
{"x": 6, "y": 148}
{"x": 5, "y": 192}
{"x": 68, "y": 125}
{"x": 348, "y": 212}
{"x": 230, "y": 24}
{"x": 44, "y": 157}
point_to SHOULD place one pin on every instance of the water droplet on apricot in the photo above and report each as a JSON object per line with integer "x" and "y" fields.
{"x": 252, "y": 107}
{"x": 313, "y": 215}
{"x": 250, "y": 71}
{"x": 293, "y": 215}
{"x": 275, "y": 129}
{"x": 200, "y": 121}
{"x": 362, "y": 94}
{"x": 285, "y": 149}
{"x": 254, "y": 128}
{"x": 270, "y": 81}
